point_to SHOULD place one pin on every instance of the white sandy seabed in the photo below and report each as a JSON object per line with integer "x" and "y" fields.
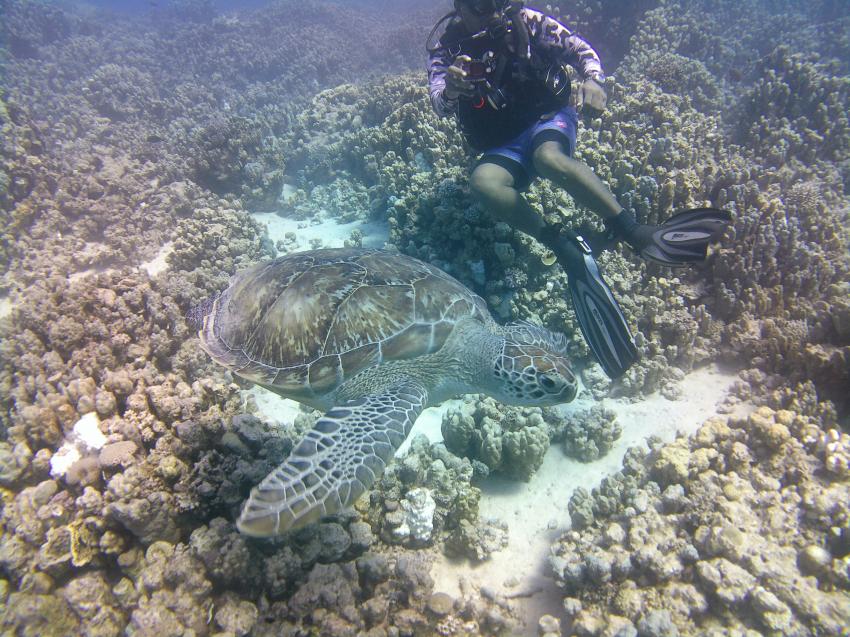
{"x": 535, "y": 512}
{"x": 331, "y": 233}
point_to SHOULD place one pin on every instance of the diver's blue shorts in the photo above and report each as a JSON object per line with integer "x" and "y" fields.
{"x": 516, "y": 155}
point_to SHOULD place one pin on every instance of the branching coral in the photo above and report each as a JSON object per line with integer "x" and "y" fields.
{"x": 797, "y": 110}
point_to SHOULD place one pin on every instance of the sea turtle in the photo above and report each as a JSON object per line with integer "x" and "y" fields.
{"x": 371, "y": 338}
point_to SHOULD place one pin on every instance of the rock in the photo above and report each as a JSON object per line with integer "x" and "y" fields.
{"x": 614, "y": 534}
{"x": 153, "y": 619}
{"x": 375, "y": 610}
{"x": 440, "y": 604}
{"x": 549, "y": 626}
{"x": 83, "y": 472}
{"x": 13, "y": 462}
{"x": 620, "y": 627}
{"x": 572, "y": 606}
{"x": 414, "y": 574}
{"x": 764, "y": 428}
{"x": 334, "y": 541}
{"x": 117, "y": 454}
{"x": 237, "y": 616}
{"x": 42, "y": 615}
{"x": 91, "y": 598}
{"x": 657, "y": 623}
{"x": 598, "y": 568}
{"x": 373, "y": 568}
{"x": 504, "y": 253}
{"x": 641, "y": 501}
{"x": 361, "y": 536}
{"x": 250, "y": 429}
{"x": 588, "y": 623}
{"x": 813, "y": 560}
{"x": 771, "y": 611}
{"x": 671, "y": 464}
{"x": 673, "y": 498}
{"x": 728, "y": 581}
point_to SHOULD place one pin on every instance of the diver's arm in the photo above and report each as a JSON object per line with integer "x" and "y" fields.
{"x": 548, "y": 33}
{"x": 438, "y": 65}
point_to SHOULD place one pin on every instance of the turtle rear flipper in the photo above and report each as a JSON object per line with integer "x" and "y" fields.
{"x": 335, "y": 463}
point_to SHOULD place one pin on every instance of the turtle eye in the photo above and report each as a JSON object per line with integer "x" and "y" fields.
{"x": 547, "y": 381}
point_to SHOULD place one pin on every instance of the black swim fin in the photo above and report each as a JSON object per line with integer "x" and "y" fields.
{"x": 599, "y": 316}
{"x": 684, "y": 238}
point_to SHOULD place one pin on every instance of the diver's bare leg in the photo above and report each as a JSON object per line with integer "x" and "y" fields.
{"x": 495, "y": 188}
{"x": 551, "y": 162}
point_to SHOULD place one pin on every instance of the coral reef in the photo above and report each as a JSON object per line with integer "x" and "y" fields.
{"x": 27, "y": 27}
{"x": 503, "y": 439}
{"x": 132, "y": 149}
{"x": 796, "y": 110}
{"x": 190, "y": 100}
{"x": 735, "y": 529}
{"x": 588, "y": 435}
{"x": 426, "y": 498}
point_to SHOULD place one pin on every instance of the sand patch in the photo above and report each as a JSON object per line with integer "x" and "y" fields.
{"x": 331, "y": 233}
{"x": 160, "y": 262}
{"x": 272, "y": 408}
{"x": 6, "y": 306}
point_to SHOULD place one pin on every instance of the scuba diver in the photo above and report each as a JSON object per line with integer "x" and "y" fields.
{"x": 500, "y": 69}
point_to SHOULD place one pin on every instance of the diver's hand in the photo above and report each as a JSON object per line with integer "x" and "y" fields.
{"x": 591, "y": 94}
{"x": 457, "y": 83}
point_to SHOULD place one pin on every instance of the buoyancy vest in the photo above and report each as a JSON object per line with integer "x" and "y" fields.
{"x": 526, "y": 94}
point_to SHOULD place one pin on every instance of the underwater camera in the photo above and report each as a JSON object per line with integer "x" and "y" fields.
{"x": 476, "y": 71}
{"x": 479, "y": 70}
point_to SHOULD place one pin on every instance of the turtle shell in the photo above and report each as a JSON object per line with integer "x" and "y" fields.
{"x": 305, "y": 322}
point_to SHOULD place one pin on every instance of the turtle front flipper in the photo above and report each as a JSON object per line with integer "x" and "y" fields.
{"x": 335, "y": 463}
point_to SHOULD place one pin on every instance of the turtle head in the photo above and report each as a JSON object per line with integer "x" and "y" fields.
{"x": 532, "y": 367}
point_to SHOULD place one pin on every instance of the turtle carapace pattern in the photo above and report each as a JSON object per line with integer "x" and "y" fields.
{"x": 371, "y": 338}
